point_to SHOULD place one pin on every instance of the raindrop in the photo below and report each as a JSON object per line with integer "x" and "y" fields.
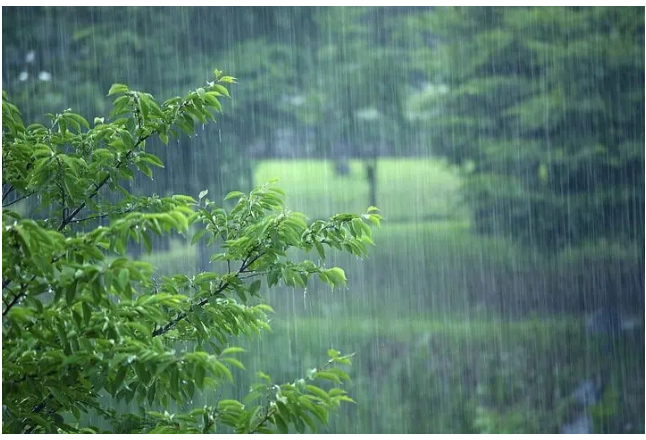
{"x": 23, "y": 76}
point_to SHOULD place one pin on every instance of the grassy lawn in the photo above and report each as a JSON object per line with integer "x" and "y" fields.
{"x": 407, "y": 189}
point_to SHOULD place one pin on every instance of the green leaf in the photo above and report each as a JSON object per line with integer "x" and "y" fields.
{"x": 121, "y": 374}
{"x": 298, "y": 423}
{"x": 198, "y": 235}
{"x": 221, "y": 370}
{"x": 318, "y": 392}
{"x": 151, "y": 393}
{"x": 70, "y": 293}
{"x": 232, "y": 350}
{"x": 198, "y": 375}
{"x": 221, "y": 89}
{"x": 280, "y": 424}
{"x": 123, "y": 278}
{"x": 320, "y": 249}
{"x": 342, "y": 375}
{"x": 336, "y": 275}
{"x": 234, "y": 195}
{"x": 234, "y": 362}
{"x": 147, "y": 241}
{"x": 308, "y": 420}
{"x": 144, "y": 169}
{"x": 320, "y": 413}
{"x": 326, "y": 375}
{"x": 254, "y": 288}
{"x": 332, "y": 353}
{"x": 117, "y": 89}
{"x": 152, "y": 159}
{"x": 80, "y": 120}
{"x": 87, "y": 313}
{"x": 21, "y": 314}
{"x": 143, "y": 374}
{"x": 229, "y": 404}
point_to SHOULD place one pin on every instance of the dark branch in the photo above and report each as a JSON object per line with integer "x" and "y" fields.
{"x": 13, "y": 202}
{"x": 166, "y": 328}
{"x": 18, "y": 296}
{"x": 268, "y": 413}
{"x": 67, "y": 220}
{"x": 251, "y": 275}
{"x": 99, "y": 216}
{"x": 6, "y": 193}
{"x": 101, "y": 184}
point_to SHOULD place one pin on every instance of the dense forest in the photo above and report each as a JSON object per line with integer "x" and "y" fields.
{"x": 542, "y": 107}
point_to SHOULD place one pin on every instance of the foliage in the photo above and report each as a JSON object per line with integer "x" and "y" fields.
{"x": 82, "y": 321}
{"x": 97, "y": 46}
{"x": 544, "y": 107}
{"x": 326, "y": 59}
{"x": 366, "y": 112}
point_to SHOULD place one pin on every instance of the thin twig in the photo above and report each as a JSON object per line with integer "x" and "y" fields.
{"x": 166, "y": 328}
{"x": 251, "y": 275}
{"x": 270, "y": 412}
{"x": 19, "y": 295}
{"x": 100, "y": 216}
{"x": 101, "y": 184}
{"x": 9, "y": 191}
{"x": 13, "y": 202}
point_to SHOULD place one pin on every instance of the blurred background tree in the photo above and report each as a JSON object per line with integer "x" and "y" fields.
{"x": 545, "y": 110}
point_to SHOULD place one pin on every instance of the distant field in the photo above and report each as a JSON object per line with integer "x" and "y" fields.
{"x": 407, "y": 189}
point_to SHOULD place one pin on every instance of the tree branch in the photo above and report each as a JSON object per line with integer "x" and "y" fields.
{"x": 21, "y": 293}
{"x": 8, "y": 191}
{"x": 99, "y": 216}
{"x": 101, "y": 184}
{"x": 67, "y": 220}
{"x": 166, "y": 328}
{"x": 5, "y": 283}
{"x": 119, "y": 164}
{"x": 251, "y": 275}
{"x": 13, "y": 202}
{"x": 268, "y": 413}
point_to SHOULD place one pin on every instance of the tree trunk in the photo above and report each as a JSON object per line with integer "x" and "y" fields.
{"x": 371, "y": 176}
